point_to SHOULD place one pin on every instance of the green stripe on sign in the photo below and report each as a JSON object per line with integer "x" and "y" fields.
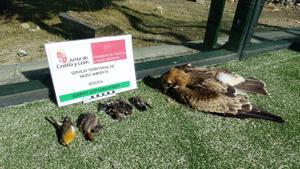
{"x": 90, "y": 92}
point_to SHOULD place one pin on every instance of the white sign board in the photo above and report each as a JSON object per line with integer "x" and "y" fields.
{"x": 92, "y": 68}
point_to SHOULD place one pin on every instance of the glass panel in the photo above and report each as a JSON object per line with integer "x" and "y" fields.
{"x": 26, "y": 25}
{"x": 277, "y": 26}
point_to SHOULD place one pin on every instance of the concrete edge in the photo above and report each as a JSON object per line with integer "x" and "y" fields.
{"x": 25, "y": 97}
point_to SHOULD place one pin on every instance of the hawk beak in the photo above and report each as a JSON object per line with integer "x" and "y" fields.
{"x": 167, "y": 87}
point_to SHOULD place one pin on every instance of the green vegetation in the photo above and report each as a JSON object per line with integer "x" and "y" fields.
{"x": 170, "y": 135}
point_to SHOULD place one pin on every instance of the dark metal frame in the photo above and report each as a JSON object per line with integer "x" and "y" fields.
{"x": 244, "y": 22}
{"x": 213, "y": 25}
{"x": 245, "y": 19}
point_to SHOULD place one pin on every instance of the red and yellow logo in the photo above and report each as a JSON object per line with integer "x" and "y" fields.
{"x": 61, "y": 56}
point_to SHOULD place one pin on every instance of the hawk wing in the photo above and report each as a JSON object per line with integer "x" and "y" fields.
{"x": 206, "y": 79}
{"x": 203, "y": 99}
{"x": 221, "y": 80}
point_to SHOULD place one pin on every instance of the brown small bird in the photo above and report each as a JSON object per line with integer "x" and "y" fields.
{"x": 215, "y": 90}
{"x": 65, "y": 130}
{"x": 117, "y": 109}
{"x": 139, "y": 103}
{"x": 88, "y": 124}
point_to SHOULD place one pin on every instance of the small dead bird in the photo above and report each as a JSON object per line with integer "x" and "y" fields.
{"x": 215, "y": 90}
{"x": 139, "y": 103}
{"x": 88, "y": 124}
{"x": 117, "y": 109}
{"x": 65, "y": 130}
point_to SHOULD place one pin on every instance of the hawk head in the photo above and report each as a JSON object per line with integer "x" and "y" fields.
{"x": 174, "y": 78}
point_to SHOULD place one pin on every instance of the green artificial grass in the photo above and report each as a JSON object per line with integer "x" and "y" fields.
{"x": 170, "y": 135}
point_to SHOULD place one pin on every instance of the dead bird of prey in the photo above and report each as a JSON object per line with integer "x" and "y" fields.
{"x": 88, "y": 124}
{"x": 139, "y": 103}
{"x": 216, "y": 91}
{"x": 117, "y": 109}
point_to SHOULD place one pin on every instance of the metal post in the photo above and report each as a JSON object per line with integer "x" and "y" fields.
{"x": 213, "y": 23}
{"x": 256, "y": 14}
{"x": 245, "y": 19}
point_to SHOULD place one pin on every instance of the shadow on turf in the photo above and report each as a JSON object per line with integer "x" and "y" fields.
{"x": 152, "y": 82}
{"x": 296, "y": 46}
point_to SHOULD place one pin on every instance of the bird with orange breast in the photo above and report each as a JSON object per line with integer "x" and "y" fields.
{"x": 215, "y": 90}
{"x": 65, "y": 130}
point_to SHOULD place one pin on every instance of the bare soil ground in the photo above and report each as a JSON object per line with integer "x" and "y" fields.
{"x": 14, "y": 38}
{"x": 280, "y": 16}
{"x": 150, "y": 22}
{"x": 156, "y": 22}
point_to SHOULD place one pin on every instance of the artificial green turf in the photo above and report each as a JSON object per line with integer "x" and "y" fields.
{"x": 170, "y": 135}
